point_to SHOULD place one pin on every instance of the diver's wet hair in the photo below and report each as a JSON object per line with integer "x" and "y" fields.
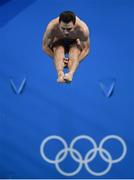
{"x": 67, "y": 16}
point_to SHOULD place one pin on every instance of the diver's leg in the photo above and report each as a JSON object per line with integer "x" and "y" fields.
{"x": 59, "y": 62}
{"x": 73, "y": 63}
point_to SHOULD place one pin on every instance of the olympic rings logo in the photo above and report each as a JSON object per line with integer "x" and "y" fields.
{"x": 77, "y": 157}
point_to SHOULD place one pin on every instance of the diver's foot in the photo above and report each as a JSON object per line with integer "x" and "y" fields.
{"x": 60, "y": 78}
{"x": 68, "y": 77}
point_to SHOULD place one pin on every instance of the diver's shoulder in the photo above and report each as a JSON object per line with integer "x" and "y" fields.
{"x": 81, "y": 22}
{"x": 53, "y": 23}
{"x": 82, "y": 25}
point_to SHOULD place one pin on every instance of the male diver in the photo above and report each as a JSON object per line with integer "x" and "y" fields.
{"x": 66, "y": 34}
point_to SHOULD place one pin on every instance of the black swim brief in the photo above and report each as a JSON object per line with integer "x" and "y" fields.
{"x": 66, "y": 43}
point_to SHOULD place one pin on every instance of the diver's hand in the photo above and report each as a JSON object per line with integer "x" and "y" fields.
{"x": 78, "y": 41}
{"x": 65, "y": 60}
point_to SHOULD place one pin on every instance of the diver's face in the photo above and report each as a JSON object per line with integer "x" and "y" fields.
{"x": 66, "y": 28}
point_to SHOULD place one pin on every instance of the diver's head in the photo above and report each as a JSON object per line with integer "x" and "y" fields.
{"x": 67, "y": 20}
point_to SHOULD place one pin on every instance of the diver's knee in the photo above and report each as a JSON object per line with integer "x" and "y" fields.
{"x": 58, "y": 50}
